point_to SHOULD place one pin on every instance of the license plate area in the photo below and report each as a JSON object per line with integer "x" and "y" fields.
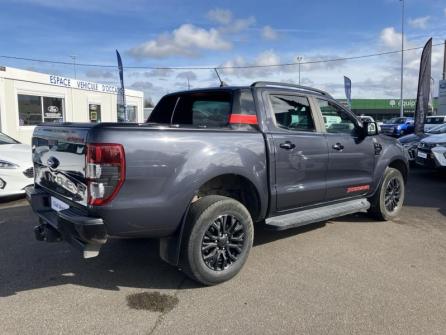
{"x": 58, "y": 205}
{"x": 422, "y": 154}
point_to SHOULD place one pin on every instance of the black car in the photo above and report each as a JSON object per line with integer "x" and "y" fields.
{"x": 410, "y": 142}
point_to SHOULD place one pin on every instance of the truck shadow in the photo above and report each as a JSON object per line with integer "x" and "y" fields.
{"x": 27, "y": 264}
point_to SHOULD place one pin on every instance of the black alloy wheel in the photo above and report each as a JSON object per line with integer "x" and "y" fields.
{"x": 223, "y": 242}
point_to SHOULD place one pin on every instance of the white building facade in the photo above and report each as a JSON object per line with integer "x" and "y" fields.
{"x": 28, "y": 98}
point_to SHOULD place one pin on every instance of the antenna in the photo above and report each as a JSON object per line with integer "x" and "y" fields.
{"x": 222, "y": 83}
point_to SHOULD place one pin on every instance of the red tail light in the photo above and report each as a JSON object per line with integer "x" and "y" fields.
{"x": 105, "y": 172}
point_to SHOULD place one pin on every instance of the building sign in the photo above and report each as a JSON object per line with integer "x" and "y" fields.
{"x": 82, "y": 84}
{"x": 407, "y": 103}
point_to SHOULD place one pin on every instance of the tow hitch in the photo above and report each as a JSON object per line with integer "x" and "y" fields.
{"x": 44, "y": 232}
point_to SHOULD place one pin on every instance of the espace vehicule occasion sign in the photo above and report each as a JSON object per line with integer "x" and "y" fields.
{"x": 82, "y": 84}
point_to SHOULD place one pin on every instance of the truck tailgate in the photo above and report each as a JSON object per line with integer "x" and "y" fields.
{"x": 59, "y": 160}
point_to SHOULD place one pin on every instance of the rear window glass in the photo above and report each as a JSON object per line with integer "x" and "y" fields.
{"x": 195, "y": 109}
{"x": 435, "y": 120}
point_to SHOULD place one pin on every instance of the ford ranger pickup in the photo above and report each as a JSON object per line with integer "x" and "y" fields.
{"x": 207, "y": 167}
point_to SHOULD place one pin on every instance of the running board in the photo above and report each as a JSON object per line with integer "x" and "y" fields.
{"x": 319, "y": 214}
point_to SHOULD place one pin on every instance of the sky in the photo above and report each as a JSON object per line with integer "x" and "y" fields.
{"x": 172, "y": 33}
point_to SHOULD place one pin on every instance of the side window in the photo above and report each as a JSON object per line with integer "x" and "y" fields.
{"x": 336, "y": 119}
{"x": 292, "y": 112}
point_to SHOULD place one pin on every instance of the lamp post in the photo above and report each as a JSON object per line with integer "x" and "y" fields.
{"x": 73, "y": 57}
{"x": 402, "y": 59}
{"x": 299, "y": 60}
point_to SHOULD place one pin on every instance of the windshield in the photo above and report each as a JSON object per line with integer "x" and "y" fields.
{"x": 441, "y": 129}
{"x": 4, "y": 139}
{"x": 396, "y": 120}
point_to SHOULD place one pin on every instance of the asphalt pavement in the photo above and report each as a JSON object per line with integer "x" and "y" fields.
{"x": 351, "y": 275}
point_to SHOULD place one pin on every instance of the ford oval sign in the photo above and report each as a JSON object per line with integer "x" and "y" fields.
{"x": 53, "y": 109}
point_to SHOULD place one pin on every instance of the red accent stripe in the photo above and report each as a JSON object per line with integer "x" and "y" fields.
{"x": 243, "y": 119}
{"x": 358, "y": 188}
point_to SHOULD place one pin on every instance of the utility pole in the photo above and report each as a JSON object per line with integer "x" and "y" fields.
{"x": 444, "y": 62}
{"x": 299, "y": 60}
{"x": 402, "y": 60}
{"x": 73, "y": 57}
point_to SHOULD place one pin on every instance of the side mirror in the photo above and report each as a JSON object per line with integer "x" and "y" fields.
{"x": 370, "y": 128}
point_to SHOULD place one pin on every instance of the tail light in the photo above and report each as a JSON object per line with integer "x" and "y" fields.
{"x": 105, "y": 172}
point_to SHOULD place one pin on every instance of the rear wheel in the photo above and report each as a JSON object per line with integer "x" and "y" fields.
{"x": 218, "y": 239}
{"x": 388, "y": 201}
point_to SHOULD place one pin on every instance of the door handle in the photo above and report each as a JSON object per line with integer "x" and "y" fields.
{"x": 338, "y": 146}
{"x": 287, "y": 145}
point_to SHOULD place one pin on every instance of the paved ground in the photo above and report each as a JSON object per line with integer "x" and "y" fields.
{"x": 348, "y": 276}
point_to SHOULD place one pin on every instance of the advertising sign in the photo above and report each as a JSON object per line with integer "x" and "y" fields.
{"x": 424, "y": 88}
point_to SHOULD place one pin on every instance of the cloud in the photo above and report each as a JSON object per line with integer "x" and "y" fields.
{"x": 238, "y": 25}
{"x": 100, "y": 74}
{"x": 219, "y": 15}
{"x": 268, "y": 33}
{"x": 187, "y": 40}
{"x": 187, "y": 75}
{"x": 228, "y": 24}
{"x": 160, "y": 73}
{"x": 420, "y": 22}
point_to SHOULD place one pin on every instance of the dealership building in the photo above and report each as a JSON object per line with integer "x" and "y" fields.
{"x": 28, "y": 98}
{"x": 385, "y": 109}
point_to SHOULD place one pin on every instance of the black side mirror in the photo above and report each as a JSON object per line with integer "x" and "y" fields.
{"x": 370, "y": 128}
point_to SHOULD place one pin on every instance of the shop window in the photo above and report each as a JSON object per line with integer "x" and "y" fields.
{"x": 37, "y": 109}
{"x": 132, "y": 113}
{"x": 52, "y": 109}
{"x": 94, "y": 112}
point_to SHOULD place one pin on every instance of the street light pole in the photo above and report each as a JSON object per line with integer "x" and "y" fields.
{"x": 73, "y": 57}
{"x": 299, "y": 59}
{"x": 402, "y": 60}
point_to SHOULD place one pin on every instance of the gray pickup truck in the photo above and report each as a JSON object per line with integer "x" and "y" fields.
{"x": 207, "y": 166}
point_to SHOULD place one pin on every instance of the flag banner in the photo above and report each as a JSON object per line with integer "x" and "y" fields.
{"x": 424, "y": 88}
{"x": 348, "y": 90}
{"x": 122, "y": 110}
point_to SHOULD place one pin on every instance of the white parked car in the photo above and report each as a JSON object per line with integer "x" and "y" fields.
{"x": 439, "y": 153}
{"x": 16, "y": 167}
{"x": 433, "y": 121}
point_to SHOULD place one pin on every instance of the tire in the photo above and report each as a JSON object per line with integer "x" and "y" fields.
{"x": 208, "y": 256}
{"x": 392, "y": 182}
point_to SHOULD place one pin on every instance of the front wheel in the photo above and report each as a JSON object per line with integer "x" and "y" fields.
{"x": 218, "y": 239}
{"x": 388, "y": 201}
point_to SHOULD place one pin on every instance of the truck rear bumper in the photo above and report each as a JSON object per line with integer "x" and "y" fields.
{"x": 84, "y": 232}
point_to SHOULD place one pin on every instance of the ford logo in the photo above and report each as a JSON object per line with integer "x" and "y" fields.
{"x": 53, "y": 109}
{"x": 52, "y": 162}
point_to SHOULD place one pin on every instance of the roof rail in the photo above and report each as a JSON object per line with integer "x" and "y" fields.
{"x": 297, "y": 87}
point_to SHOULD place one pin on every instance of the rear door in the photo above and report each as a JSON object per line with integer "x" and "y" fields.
{"x": 300, "y": 151}
{"x": 351, "y": 157}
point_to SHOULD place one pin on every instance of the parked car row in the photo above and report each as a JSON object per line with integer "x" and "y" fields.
{"x": 427, "y": 149}
{"x": 16, "y": 167}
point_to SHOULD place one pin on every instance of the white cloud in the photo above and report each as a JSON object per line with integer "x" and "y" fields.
{"x": 187, "y": 40}
{"x": 238, "y": 25}
{"x": 419, "y": 22}
{"x": 187, "y": 75}
{"x": 219, "y": 15}
{"x": 268, "y": 33}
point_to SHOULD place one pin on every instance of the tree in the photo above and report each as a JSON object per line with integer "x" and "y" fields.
{"x": 148, "y": 103}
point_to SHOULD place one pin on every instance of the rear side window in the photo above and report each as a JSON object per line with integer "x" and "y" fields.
{"x": 196, "y": 109}
{"x": 435, "y": 120}
{"x": 292, "y": 112}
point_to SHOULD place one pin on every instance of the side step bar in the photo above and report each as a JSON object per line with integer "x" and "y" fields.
{"x": 319, "y": 214}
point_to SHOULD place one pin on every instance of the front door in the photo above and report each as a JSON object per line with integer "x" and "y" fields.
{"x": 300, "y": 153}
{"x": 351, "y": 157}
